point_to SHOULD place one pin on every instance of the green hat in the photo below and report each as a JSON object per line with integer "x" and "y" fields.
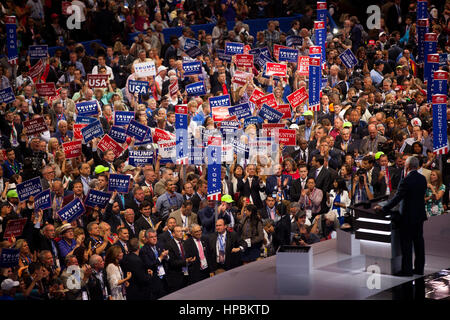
{"x": 12, "y": 194}
{"x": 100, "y": 169}
{"x": 378, "y": 155}
{"x": 308, "y": 113}
{"x": 226, "y": 198}
{"x": 347, "y": 124}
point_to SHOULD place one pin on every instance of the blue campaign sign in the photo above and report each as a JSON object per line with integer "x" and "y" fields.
{"x": 315, "y": 83}
{"x": 9, "y": 258}
{"x": 320, "y": 35}
{"x": 122, "y": 118}
{"x": 42, "y": 200}
{"x": 189, "y": 43}
{"x": 422, "y": 29}
{"x": 293, "y": 41}
{"x": 222, "y": 56}
{"x": 265, "y": 51}
{"x": 118, "y": 182}
{"x": 140, "y": 157}
{"x": 148, "y": 139}
{"x": 440, "y": 141}
{"x": 252, "y": 120}
{"x": 84, "y": 119}
{"x": 7, "y": 95}
{"x": 443, "y": 59}
{"x": 72, "y": 210}
{"x": 196, "y": 155}
{"x": 348, "y": 58}
{"x": 214, "y": 168}
{"x": 241, "y": 111}
{"x": 96, "y": 198}
{"x": 194, "y": 52}
{"x": 137, "y": 130}
{"x": 181, "y": 134}
{"x": 421, "y": 9}
{"x": 220, "y": 101}
{"x": 270, "y": 114}
{"x": 241, "y": 149}
{"x": 92, "y": 131}
{"x": 196, "y": 89}
{"x": 119, "y": 134}
{"x": 286, "y": 54}
{"x": 255, "y": 51}
{"x": 232, "y": 48}
{"x": 87, "y": 108}
{"x": 192, "y": 68}
{"x": 139, "y": 87}
{"x": 38, "y": 52}
{"x": 262, "y": 59}
{"x": 11, "y": 39}
{"x": 29, "y": 188}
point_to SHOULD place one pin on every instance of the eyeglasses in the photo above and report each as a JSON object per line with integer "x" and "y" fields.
{"x": 48, "y": 172}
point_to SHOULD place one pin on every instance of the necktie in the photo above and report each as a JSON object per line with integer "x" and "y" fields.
{"x": 201, "y": 254}
{"x": 224, "y": 89}
{"x": 181, "y": 249}
{"x": 317, "y": 172}
{"x": 151, "y": 189}
{"x": 132, "y": 227}
{"x": 304, "y": 156}
{"x": 125, "y": 247}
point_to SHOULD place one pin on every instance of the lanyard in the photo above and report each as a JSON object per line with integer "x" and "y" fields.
{"x": 221, "y": 243}
{"x": 170, "y": 202}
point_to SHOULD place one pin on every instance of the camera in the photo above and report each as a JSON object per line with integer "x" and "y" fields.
{"x": 361, "y": 173}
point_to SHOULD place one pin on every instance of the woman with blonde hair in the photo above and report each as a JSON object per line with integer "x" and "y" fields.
{"x": 25, "y": 256}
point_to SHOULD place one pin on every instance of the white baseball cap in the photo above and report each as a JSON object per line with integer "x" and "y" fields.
{"x": 8, "y": 284}
{"x": 416, "y": 122}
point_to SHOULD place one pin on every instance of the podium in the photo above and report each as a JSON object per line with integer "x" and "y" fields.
{"x": 294, "y": 260}
{"x": 379, "y": 238}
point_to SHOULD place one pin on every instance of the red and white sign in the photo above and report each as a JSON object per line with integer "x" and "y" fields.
{"x": 440, "y": 75}
{"x": 314, "y": 62}
{"x": 46, "y": 89}
{"x": 303, "y": 65}
{"x": 241, "y": 77}
{"x": 145, "y": 69}
{"x": 269, "y": 100}
{"x": 72, "y": 149}
{"x": 160, "y": 134}
{"x": 244, "y": 60}
{"x": 247, "y": 48}
{"x": 319, "y": 25}
{"x": 286, "y": 137}
{"x": 273, "y": 125}
{"x": 256, "y": 95}
{"x": 214, "y": 141}
{"x": 433, "y": 58}
{"x": 276, "y": 69}
{"x": 173, "y": 88}
{"x": 14, "y": 228}
{"x": 97, "y": 80}
{"x": 439, "y": 99}
{"x": 431, "y": 37}
{"x": 36, "y": 70}
{"x": 35, "y": 126}
{"x": 10, "y": 20}
{"x": 276, "y": 50}
{"x": 220, "y": 113}
{"x": 77, "y": 130}
{"x": 422, "y": 22}
{"x": 321, "y": 5}
{"x": 298, "y": 97}
{"x": 181, "y": 109}
{"x": 315, "y": 50}
{"x": 286, "y": 110}
{"x": 108, "y": 143}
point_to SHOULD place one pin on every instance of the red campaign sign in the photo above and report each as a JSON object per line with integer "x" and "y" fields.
{"x": 319, "y": 25}
{"x": 10, "y": 20}
{"x": 14, "y": 228}
{"x": 286, "y": 110}
{"x": 36, "y": 70}
{"x": 303, "y": 65}
{"x": 181, "y": 109}
{"x": 298, "y": 97}
{"x": 247, "y": 48}
{"x": 440, "y": 75}
{"x": 46, "y": 89}
{"x": 64, "y": 6}
{"x": 422, "y": 22}
{"x": 276, "y": 50}
{"x": 276, "y": 69}
{"x": 431, "y": 37}
{"x": 214, "y": 141}
{"x": 433, "y": 58}
{"x": 72, "y": 149}
{"x": 321, "y": 5}
{"x": 273, "y": 125}
{"x": 35, "y": 126}
{"x": 256, "y": 95}
{"x": 314, "y": 62}
{"x": 97, "y": 81}
{"x": 315, "y": 50}
{"x": 241, "y": 77}
{"x": 173, "y": 88}
{"x": 269, "y": 100}
{"x": 244, "y": 60}
{"x": 439, "y": 99}
{"x": 220, "y": 113}
{"x": 286, "y": 137}
{"x": 160, "y": 134}
{"x": 108, "y": 143}
{"x": 77, "y": 130}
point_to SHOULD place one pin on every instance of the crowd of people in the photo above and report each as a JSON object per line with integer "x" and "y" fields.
{"x": 165, "y": 233}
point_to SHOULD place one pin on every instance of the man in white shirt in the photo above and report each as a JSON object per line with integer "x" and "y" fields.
{"x": 102, "y": 63}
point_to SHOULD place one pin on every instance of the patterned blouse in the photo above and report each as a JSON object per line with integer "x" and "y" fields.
{"x": 432, "y": 206}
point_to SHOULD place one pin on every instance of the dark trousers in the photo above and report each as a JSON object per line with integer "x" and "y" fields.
{"x": 412, "y": 235}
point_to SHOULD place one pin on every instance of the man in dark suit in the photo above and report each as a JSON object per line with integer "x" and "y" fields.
{"x": 123, "y": 241}
{"x": 384, "y": 176}
{"x": 394, "y": 17}
{"x": 53, "y": 75}
{"x": 155, "y": 258}
{"x": 202, "y": 190}
{"x": 171, "y": 51}
{"x": 411, "y": 194}
{"x": 224, "y": 249}
{"x": 177, "y": 272}
{"x": 128, "y": 221}
{"x": 222, "y": 86}
{"x": 251, "y": 185}
{"x": 278, "y": 182}
{"x": 146, "y": 220}
{"x": 167, "y": 234}
{"x": 321, "y": 174}
{"x": 269, "y": 209}
{"x": 141, "y": 276}
{"x": 197, "y": 247}
{"x": 346, "y": 142}
{"x": 97, "y": 282}
{"x": 299, "y": 184}
{"x": 282, "y": 233}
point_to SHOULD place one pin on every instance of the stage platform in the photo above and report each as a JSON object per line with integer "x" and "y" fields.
{"x": 335, "y": 275}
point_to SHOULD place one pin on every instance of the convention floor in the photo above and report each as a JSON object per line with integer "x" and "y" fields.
{"x": 335, "y": 275}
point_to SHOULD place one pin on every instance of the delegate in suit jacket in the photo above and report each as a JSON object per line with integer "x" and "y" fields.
{"x": 175, "y": 275}
{"x": 232, "y": 260}
{"x": 152, "y": 262}
{"x": 177, "y": 215}
{"x": 140, "y": 282}
{"x": 142, "y": 224}
{"x": 272, "y": 183}
{"x": 246, "y": 190}
{"x": 195, "y": 272}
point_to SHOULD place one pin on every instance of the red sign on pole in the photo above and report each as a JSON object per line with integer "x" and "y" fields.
{"x": 244, "y": 60}
{"x": 36, "y": 70}
{"x": 14, "y": 228}
{"x": 108, "y": 143}
{"x": 46, "y": 89}
{"x": 181, "y": 109}
{"x": 286, "y": 137}
{"x": 35, "y": 126}
{"x": 303, "y": 65}
{"x": 298, "y": 97}
{"x": 276, "y": 69}
{"x": 72, "y": 149}
{"x": 97, "y": 80}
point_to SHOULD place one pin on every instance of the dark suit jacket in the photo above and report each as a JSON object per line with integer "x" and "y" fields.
{"x": 323, "y": 180}
{"x": 272, "y": 182}
{"x": 282, "y": 233}
{"x": 296, "y": 190}
{"x": 379, "y": 187}
{"x": 352, "y": 146}
{"x": 142, "y": 224}
{"x": 411, "y": 190}
{"x": 152, "y": 262}
{"x": 94, "y": 287}
{"x": 246, "y": 190}
{"x": 132, "y": 233}
{"x": 232, "y": 260}
{"x": 175, "y": 276}
{"x": 195, "y": 273}
{"x": 140, "y": 282}
{"x": 195, "y": 202}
